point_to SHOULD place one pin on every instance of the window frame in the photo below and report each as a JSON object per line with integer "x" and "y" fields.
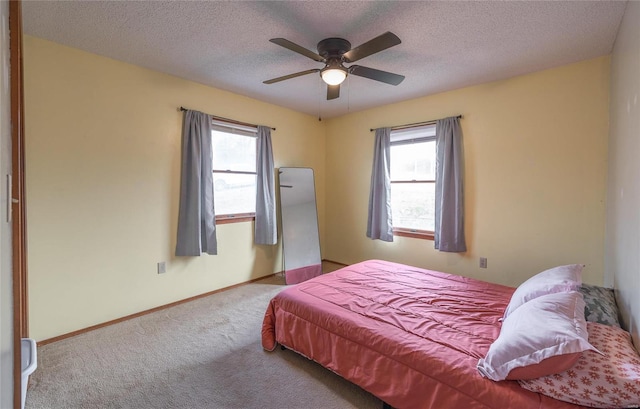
{"x": 247, "y": 132}
{"x": 405, "y": 231}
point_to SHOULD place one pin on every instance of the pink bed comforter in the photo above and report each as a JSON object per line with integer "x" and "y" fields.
{"x": 411, "y": 337}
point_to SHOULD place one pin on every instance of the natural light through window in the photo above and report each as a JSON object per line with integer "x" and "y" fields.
{"x": 234, "y": 170}
{"x": 413, "y": 175}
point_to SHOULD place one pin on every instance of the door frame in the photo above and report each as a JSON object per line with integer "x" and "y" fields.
{"x": 18, "y": 205}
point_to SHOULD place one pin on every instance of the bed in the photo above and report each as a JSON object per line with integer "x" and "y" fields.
{"x": 410, "y": 336}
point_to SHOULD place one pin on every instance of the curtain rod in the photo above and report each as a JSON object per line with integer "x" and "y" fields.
{"x": 431, "y": 122}
{"x": 232, "y": 121}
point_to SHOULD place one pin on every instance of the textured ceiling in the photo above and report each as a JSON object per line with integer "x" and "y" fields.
{"x": 445, "y": 45}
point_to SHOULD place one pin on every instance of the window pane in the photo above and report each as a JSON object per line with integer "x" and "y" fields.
{"x": 234, "y": 193}
{"x": 413, "y": 133}
{"x": 416, "y": 161}
{"x": 233, "y": 152}
{"x": 413, "y": 205}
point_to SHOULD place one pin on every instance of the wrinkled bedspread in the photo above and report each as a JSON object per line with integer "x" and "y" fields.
{"x": 412, "y": 337}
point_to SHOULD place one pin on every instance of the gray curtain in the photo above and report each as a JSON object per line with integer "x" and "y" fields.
{"x": 196, "y": 217}
{"x": 379, "y": 224}
{"x": 266, "y": 226}
{"x": 449, "y": 223}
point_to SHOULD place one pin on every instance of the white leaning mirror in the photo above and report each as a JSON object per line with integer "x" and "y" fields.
{"x": 300, "y": 236}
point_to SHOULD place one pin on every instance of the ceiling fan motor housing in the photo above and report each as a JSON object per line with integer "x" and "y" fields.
{"x": 331, "y": 48}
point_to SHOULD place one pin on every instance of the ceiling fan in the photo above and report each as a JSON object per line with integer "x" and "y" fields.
{"x": 334, "y": 52}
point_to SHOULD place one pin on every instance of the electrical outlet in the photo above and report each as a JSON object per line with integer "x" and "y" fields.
{"x": 162, "y": 267}
{"x": 483, "y": 262}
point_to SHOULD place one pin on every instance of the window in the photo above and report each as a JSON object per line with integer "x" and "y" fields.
{"x": 413, "y": 181}
{"x": 234, "y": 172}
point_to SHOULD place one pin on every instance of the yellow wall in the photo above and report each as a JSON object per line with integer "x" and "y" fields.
{"x": 535, "y": 156}
{"x": 623, "y": 199}
{"x": 103, "y": 153}
{"x": 102, "y": 178}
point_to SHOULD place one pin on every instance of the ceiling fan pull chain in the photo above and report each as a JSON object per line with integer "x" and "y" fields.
{"x": 348, "y": 95}
{"x": 320, "y": 82}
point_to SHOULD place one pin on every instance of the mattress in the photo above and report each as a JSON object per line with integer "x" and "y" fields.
{"x": 410, "y": 336}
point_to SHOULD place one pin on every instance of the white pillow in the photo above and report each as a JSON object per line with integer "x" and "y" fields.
{"x": 555, "y": 280}
{"x": 549, "y": 326}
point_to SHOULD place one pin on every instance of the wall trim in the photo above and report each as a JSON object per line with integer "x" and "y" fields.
{"x": 162, "y": 307}
{"x": 149, "y": 311}
{"x": 335, "y": 262}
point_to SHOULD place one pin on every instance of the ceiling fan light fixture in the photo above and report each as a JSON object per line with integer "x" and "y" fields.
{"x": 333, "y": 75}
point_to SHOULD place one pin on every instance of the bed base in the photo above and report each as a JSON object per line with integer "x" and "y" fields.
{"x": 385, "y": 405}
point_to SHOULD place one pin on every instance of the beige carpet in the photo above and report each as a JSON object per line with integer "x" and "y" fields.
{"x": 201, "y": 354}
